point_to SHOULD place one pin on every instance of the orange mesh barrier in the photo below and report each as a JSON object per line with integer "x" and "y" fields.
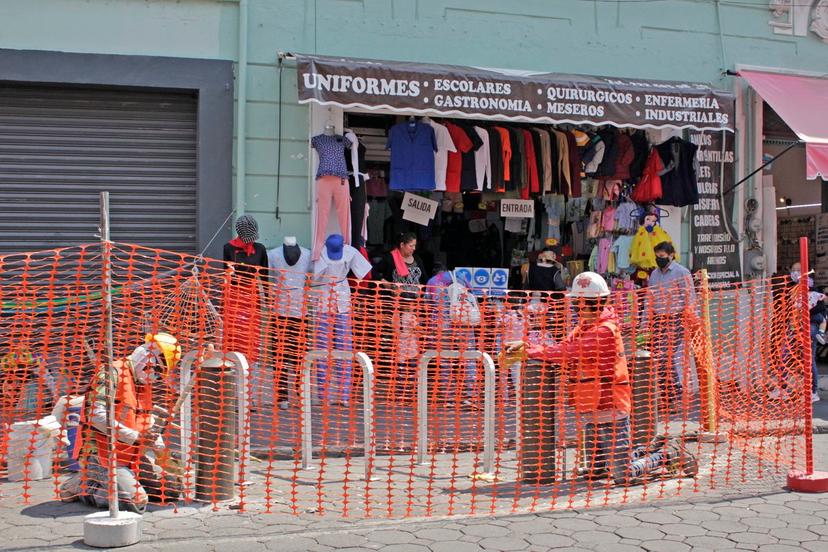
{"x": 307, "y": 394}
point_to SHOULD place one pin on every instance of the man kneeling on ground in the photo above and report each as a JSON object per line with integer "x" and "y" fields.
{"x": 596, "y": 375}
{"x": 136, "y": 439}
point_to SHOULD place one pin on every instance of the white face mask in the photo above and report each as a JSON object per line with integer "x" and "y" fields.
{"x": 545, "y": 264}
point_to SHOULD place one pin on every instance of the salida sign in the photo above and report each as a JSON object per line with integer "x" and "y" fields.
{"x": 712, "y": 245}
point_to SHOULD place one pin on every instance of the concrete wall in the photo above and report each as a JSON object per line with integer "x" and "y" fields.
{"x": 672, "y": 39}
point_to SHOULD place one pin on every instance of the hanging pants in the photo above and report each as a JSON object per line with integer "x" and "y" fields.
{"x": 336, "y": 189}
{"x": 359, "y": 199}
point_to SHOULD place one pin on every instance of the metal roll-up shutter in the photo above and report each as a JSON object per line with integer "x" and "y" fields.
{"x": 61, "y": 146}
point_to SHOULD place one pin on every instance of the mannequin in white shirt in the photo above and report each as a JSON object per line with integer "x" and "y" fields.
{"x": 291, "y": 265}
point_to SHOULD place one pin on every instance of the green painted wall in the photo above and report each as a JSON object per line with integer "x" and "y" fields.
{"x": 670, "y": 39}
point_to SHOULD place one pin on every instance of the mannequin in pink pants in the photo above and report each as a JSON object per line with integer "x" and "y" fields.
{"x": 331, "y": 188}
{"x": 331, "y": 184}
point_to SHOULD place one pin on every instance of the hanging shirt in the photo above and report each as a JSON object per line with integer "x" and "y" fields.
{"x": 532, "y": 182}
{"x": 678, "y": 181}
{"x": 506, "y": 151}
{"x": 444, "y": 146}
{"x": 546, "y": 158}
{"x": 621, "y": 247}
{"x": 331, "y": 279}
{"x": 602, "y": 263}
{"x": 624, "y": 218}
{"x": 331, "y": 150}
{"x": 462, "y": 144}
{"x": 289, "y": 281}
{"x": 378, "y": 212}
{"x": 482, "y": 161}
{"x": 468, "y": 170}
{"x": 357, "y": 157}
{"x": 608, "y": 219}
{"x": 496, "y": 160}
{"x": 412, "y": 146}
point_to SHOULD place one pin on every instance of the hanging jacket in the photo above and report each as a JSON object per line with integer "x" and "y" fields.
{"x": 625, "y": 156}
{"x": 678, "y": 182}
{"x": 641, "y": 150}
{"x": 594, "y": 365}
{"x": 610, "y": 139}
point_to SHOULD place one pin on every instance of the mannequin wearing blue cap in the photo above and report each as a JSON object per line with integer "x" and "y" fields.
{"x": 333, "y": 330}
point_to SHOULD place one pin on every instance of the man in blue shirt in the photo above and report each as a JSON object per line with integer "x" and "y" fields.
{"x": 670, "y": 294}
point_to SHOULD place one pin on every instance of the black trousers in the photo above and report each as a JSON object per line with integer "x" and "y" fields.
{"x": 359, "y": 197}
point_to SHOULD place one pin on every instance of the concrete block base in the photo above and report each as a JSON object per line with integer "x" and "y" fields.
{"x": 102, "y": 531}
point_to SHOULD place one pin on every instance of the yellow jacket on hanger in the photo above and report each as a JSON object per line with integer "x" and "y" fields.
{"x": 641, "y": 252}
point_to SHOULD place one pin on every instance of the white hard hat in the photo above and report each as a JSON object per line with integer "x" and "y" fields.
{"x": 590, "y": 285}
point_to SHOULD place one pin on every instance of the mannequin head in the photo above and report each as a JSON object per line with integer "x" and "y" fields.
{"x": 291, "y": 250}
{"x": 247, "y": 228}
{"x": 334, "y": 246}
{"x": 650, "y": 221}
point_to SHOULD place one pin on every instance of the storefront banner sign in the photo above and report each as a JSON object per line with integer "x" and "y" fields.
{"x": 517, "y": 208}
{"x": 712, "y": 246}
{"x": 418, "y": 209}
{"x": 500, "y": 94}
{"x": 821, "y": 246}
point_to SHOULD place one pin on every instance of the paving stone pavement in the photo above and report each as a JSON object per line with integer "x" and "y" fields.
{"x": 769, "y": 519}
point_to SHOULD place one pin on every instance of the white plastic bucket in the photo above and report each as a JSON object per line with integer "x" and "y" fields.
{"x": 30, "y": 453}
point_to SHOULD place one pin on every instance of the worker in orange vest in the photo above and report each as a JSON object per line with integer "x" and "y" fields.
{"x": 133, "y": 426}
{"x": 596, "y": 377}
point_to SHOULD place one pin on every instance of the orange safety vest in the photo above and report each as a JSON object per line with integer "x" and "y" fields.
{"x": 133, "y": 408}
{"x": 589, "y": 391}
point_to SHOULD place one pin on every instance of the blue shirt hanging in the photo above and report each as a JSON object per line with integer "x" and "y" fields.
{"x": 412, "y": 146}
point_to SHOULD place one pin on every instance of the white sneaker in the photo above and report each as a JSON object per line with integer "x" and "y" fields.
{"x": 814, "y": 397}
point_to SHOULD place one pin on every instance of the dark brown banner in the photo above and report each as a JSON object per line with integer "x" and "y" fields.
{"x": 448, "y": 90}
{"x": 711, "y": 240}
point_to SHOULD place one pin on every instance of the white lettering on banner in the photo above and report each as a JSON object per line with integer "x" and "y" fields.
{"x": 517, "y": 208}
{"x": 369, "y": 85}
{"x": 473, "y": 102}
{"x": 418, "y": 209}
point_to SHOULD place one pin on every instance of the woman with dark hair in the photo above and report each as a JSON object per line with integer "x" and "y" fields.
{"x": 402, "y": 266}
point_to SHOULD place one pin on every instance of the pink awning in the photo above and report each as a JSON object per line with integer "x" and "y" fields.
{"x": 802, "y": 102}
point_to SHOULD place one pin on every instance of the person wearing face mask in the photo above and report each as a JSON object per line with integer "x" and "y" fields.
{"x": 594, "y": 369}
{"x": 546, "y": 273}
{"x": 671, "y": 299}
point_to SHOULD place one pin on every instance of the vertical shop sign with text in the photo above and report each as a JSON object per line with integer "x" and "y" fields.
{"x": 712, "y": 246}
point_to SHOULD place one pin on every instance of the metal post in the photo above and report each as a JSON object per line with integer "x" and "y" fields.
{"x": 106, "y": 295}
{"x": 707, "y": 375}
{"x": 806, "y": 348}
{"x": 367, "y": 411}
{"x": 488, "y": 401}
{"x": 367, "y": 408}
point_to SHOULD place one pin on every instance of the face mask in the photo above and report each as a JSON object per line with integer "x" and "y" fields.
{"x": 545, "y": 264}
{"x": 663, "y": 262}
{"x": 649, "y": 228}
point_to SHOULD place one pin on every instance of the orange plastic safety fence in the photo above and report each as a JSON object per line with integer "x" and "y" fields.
{"x": 300, "y": 392}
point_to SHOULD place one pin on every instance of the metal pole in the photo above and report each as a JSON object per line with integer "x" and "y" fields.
{"x": 806, "y": 347}
{"x": 106, "y": 295}
{"x": 710, "y": 421}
